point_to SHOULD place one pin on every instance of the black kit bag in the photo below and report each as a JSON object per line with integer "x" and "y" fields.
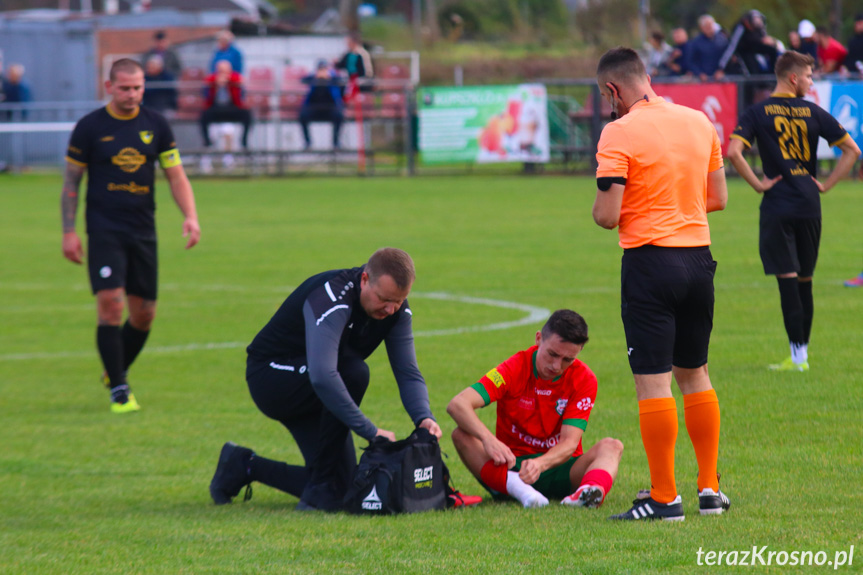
{"x": 405, "y": 476}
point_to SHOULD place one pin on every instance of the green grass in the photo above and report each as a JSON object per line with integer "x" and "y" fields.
{"x": 84, "y": 491}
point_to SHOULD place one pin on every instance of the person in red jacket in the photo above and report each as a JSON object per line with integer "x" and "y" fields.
{"x": 224, "y": 101}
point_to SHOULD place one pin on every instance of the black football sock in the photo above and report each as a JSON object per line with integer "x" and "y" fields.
{"x": 133, "y": 343}
{"x": 792, "y": 309}
{"x": 110, "y": 345}
{"x": 288, "y": 478}
{"x": 808, "y": 303}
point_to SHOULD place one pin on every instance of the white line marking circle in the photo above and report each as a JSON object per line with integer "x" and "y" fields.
{"x": 534, "y": 314}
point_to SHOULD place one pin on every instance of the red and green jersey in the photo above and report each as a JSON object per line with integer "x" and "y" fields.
{"x": 530, "y": 410}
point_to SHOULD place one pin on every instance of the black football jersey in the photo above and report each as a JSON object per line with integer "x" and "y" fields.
{"x": 787, "y": 130}
{"x": 120, "y": 155}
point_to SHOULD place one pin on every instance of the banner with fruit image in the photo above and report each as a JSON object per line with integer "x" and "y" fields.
{"x": 483, "y": 124}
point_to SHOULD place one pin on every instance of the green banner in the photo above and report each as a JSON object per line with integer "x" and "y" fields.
{"x": 483, "y": 124}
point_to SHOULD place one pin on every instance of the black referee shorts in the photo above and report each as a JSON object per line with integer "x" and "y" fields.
{"x": 789, "y": 245}
{"x": 122, "y": 260}
{"x": 667, "y": 307}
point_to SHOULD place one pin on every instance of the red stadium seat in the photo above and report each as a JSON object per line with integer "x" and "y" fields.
{"x": 393, "y": 72}
{"x": 290, "y": 104}
{"x": 293, "y": 76}
{"x": 259, "y": 104}
{"x": 366, "y": 103}
{"x": 189, "y": 106}
{"x": 393, "y": 105}
{"x": 260, "y": 79}
{"x": 193, "y": 74}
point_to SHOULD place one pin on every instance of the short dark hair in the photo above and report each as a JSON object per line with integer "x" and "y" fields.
{"x": 567, "y": 325}
{"x": 791, "y": 62}
{"x": 125, "y": 65}
{"x": 621, "y": 64}
{"x": 392, "y": 262}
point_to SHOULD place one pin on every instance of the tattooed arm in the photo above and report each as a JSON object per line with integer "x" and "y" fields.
{"x": 72, "y": 249}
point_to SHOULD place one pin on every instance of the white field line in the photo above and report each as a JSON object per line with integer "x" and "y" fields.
{"x": 534, "y": 314}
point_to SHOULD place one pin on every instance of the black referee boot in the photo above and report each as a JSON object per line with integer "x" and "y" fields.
{"x": 232, "y": 474}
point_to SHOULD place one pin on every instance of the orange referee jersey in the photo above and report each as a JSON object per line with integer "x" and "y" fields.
{"x": 665, "y": 152}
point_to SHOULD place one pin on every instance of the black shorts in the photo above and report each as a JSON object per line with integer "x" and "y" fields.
{"x": 121, "y": 260}
{"x": 789, "y": 245}
{"x": 667, "y": 307}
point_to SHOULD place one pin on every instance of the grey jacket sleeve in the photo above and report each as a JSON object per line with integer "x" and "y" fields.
{"x": 403, "y": 359}
{"x": 322, "y": 356}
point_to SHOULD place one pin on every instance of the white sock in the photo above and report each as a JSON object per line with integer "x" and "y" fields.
{"x": 527, "y": 495}
{"x": 799, "y": 352}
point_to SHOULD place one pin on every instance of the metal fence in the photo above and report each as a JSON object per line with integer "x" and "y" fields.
{"x": 379, "y": 135}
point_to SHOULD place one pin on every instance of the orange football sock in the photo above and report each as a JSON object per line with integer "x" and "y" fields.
{"x": 701, "y": 411}
{"x": 658, "y": 419}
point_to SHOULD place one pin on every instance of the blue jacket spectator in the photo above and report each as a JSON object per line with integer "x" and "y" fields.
{"x": 806, "y": 31}
{"x": 225, "y": 50}
{"x": 160, "y": 92}
{"x": 323, "y": 103}
{"x": 15, "y": 90}
{"x": 677, "y": 63}
{"x": 706, "y": 49}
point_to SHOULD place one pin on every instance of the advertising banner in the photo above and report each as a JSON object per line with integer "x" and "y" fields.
{"x": 844, "y": 101}
{"x": 483, "y": 124}
{"x": 718, "y": 101}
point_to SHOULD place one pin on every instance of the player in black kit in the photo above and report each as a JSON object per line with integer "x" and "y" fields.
{"x": 117, "y": 146}
{"x": 306, "y": 369}
{"x": 787, "y": 128}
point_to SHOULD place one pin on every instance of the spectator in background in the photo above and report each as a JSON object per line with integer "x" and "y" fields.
{"x": 831, "y": 52}
{"x": 16, "y": 90}
{"x": 224, "y": 102}
{"x": 750, "y": 51}
{"x": 854, "y": 59}
{"x": 657, "y": 53}
{"x": 225, "y": 50}
{"x": 706, "y": 49}
{"x": 160, "y": 91}
{"x": 806, "y": 31}
{"x": 794, "y": 42}
{"x": 680, "y": 54}
{"x": 170, "y": 60}
{"x": 323, "y": 102}
{"x": 357, "y": 63}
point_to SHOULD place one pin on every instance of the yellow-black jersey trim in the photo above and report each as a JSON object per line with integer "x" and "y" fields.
{"x": 76, "y": 162}
{"x": 116, "y": 116}
{"x": 840, "y": 140}
{"x": 742, "y": 139}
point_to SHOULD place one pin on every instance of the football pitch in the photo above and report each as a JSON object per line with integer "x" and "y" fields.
{"x": 85, "y": 491}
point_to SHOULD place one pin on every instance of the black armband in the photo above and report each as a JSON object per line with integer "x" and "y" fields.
{"x": 604, "y": 184}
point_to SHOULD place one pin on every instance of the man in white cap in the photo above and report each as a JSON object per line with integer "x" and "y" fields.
{"x": 806, "y": 30}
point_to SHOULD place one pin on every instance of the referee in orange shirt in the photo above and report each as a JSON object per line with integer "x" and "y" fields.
{"x": 660, "y": 172}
